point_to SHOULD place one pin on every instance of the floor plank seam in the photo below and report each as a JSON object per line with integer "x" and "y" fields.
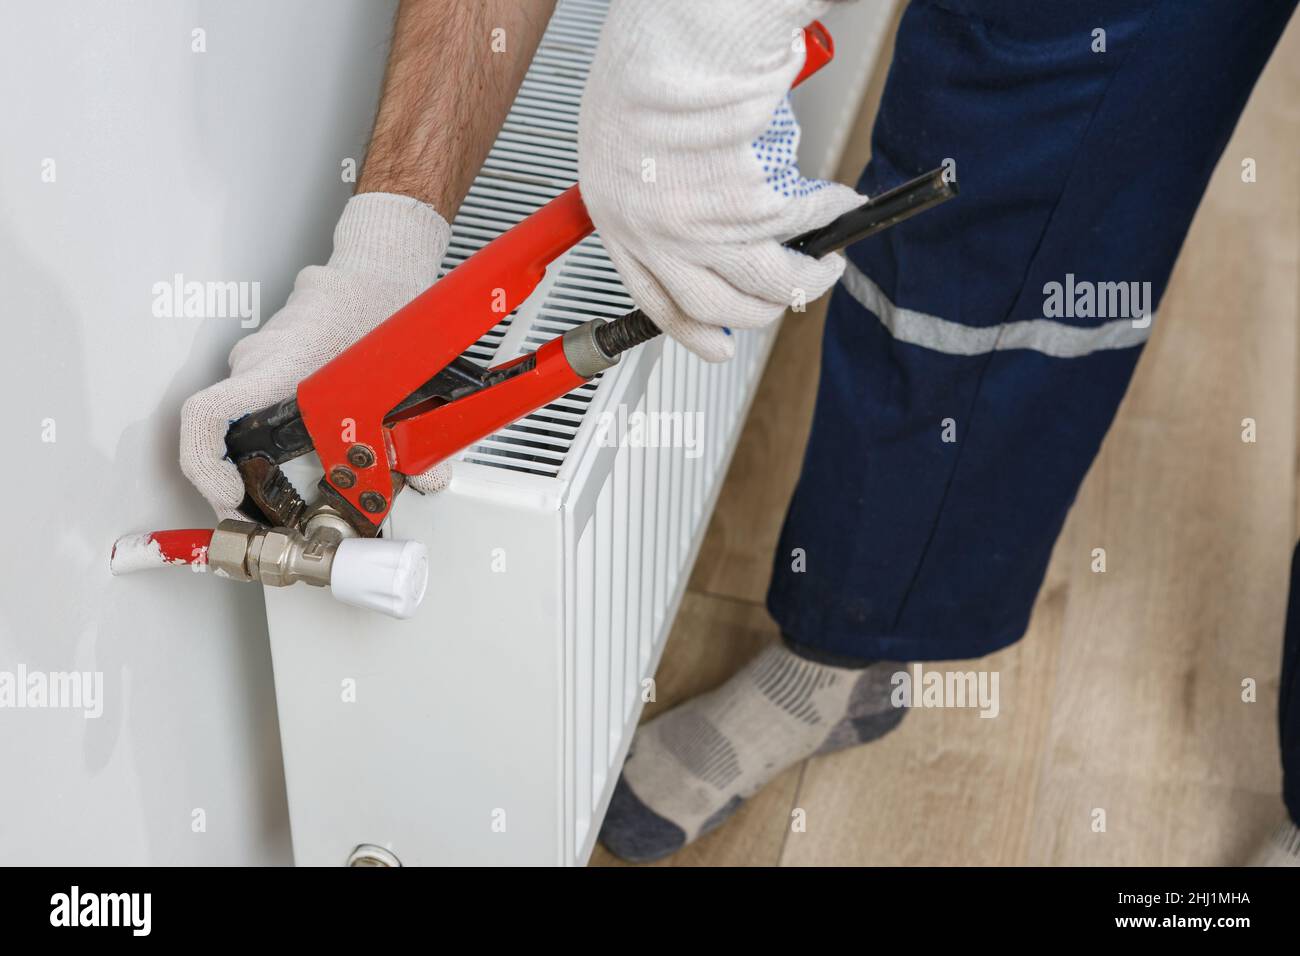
{"x": 794, "y": 805}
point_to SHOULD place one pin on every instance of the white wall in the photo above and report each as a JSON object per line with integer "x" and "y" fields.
{"x": 224, "y": 166}
{"x": 221, "y": 165}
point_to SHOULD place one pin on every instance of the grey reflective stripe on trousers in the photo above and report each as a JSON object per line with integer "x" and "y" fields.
{"x": 1039, "y": 335}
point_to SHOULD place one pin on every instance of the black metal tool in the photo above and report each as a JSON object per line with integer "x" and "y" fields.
{"x": 875, "y": 215}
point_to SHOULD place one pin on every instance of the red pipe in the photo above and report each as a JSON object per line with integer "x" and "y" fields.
{"x": 156, "y": 549}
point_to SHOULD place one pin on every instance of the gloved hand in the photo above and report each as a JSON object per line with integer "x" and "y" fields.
{"x": 686, "y": 157}
{"x": 386, "y": 252}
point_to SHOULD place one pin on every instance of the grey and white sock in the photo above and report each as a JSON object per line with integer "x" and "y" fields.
{"x": 1281, "y": 849}
{"x": 691, "y": 768}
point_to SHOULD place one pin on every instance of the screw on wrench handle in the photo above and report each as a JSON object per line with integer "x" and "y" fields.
{"x": 875, "y": 215}
{"x": 627, "y": 331}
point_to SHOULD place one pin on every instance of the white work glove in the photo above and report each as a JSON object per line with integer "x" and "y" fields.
{"x": 386, "y": 252}
{"x": 686, "y": 158}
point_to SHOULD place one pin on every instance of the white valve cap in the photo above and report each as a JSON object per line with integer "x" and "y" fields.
{"x": 381, "y": 575}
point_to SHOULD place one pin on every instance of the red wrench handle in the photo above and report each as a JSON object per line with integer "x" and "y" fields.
{"x": 344, "y": 404}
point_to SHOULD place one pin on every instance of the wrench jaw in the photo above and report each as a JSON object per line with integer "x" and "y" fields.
{"x": 270, "y": 499}
{"x": 360, "y": 523}
{"x": 269, "y": 496}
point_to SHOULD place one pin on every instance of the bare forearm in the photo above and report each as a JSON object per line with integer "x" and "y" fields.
{"x": 453, "y": 71}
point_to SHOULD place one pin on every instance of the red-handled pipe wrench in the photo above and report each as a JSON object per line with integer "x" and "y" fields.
{"x": 403, "y": 398}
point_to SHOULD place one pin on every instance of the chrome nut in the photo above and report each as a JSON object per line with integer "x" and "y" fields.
{"x": 228, "y": 552}
{"x": 583, "y": 352}
{"x": 273, "y": 558}
{"x": 283, "y": 556}
{"x": 277, "y": 557}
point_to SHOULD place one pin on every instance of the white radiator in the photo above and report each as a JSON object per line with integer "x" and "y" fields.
{"x": 491, "y": 728}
